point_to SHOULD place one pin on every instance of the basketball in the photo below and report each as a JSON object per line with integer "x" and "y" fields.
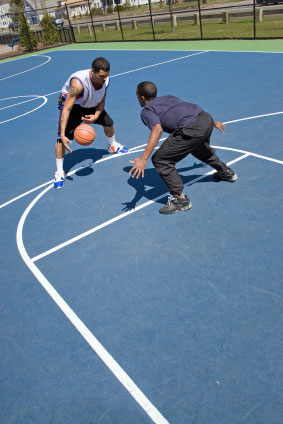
{"x": 84, "y": 134}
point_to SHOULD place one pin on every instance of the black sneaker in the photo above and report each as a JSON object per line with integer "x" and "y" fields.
{"x": 176, "y": 204}
{"x": 228, "y": 175}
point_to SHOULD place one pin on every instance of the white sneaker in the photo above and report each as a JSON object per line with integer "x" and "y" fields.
{"x": 117, "y": 148}
{"x": 59, "y": 180}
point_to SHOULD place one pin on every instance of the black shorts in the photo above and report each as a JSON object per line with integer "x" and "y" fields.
{"x": 75, "y": 118}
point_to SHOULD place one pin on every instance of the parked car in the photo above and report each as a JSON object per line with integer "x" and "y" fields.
{"x": 14, "y": 26}
{"x": 267, "y": 2}
{"x": 59, "y": 22}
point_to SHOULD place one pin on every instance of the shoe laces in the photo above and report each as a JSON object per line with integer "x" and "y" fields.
{"x": 170, "y": 200}
{"x": 59, "y": 175}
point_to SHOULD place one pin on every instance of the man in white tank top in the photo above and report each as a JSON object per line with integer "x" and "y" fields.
{"x": 82, "y": 99}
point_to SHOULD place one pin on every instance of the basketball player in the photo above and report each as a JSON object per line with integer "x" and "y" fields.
{"x": 82, "y": 100}
{"x": 190, "y": 129}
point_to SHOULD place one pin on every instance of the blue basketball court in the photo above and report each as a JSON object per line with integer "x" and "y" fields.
{"x": 111, "y": 312}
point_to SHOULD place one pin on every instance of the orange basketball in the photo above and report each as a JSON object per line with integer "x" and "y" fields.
{"x": 84, "y": 134}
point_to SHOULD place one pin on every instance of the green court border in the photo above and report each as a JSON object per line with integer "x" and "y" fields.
{"x": 273, "y": 46}
{"x": 222, "y": 45}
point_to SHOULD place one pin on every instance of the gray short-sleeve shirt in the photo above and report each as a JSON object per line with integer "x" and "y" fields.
{"x": 170, "y": 112}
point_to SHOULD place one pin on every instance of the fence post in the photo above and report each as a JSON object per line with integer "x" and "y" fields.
{"x": 196, "y": 19}
{"x": 91, "y": 20}
{"x": 225, "y": 18}
{"x": 254, "y": 10}
{"x": 134, "y": 24}
{"x": 73, "y": 38}
{"x": 152, "y": 22}
{"x": 259, "y": 14}
{"x": 90, "y": 30}
{"x": 118, "y": 10}
{"x": 200, "y": 23}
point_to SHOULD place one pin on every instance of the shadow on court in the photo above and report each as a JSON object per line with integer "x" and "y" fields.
{"x": 80, "y": 155}
{"x": 152, "y": 186}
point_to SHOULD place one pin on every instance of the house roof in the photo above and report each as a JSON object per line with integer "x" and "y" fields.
{"x": 75, "y": 2}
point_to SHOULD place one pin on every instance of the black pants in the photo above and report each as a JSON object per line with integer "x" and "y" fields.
{"x": 179, "y": 144}
{"x": 75, "y": 118}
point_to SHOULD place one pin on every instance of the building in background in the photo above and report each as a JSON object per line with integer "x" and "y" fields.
{"x": 5, "y": 18}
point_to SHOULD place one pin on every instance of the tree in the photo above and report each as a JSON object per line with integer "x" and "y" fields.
{"x": 27, "y": 38}
{"x": 49, "y": 33}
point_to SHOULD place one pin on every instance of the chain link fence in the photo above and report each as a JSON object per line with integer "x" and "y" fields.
{"x": 83, "y": 21}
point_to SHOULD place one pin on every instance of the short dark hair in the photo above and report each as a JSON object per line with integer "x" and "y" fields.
{"x": 147, "y": 89}
{"x": 100, "y": 63}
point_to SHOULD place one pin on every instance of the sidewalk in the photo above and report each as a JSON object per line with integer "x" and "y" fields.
{"x": 6, "y": 51}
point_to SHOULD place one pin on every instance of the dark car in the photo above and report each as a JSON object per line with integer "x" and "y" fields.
{"x": 59, "y": 22}
{"x": 14, "y": 26}
{"x": 268, "y": 2}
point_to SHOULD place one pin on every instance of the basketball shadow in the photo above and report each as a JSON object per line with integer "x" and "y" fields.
{"x": 80, "y": 155}
{"x": 152, "y": 186}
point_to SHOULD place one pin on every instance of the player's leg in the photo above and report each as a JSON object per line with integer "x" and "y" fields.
{"x": 73, "y": 121}
{"x": 172, "y": 151}
{"x": 59, "y": 174}
{"x": 108, "y": 125}
{"x": 205, "y": 153}
{"x": 59, "y": 149}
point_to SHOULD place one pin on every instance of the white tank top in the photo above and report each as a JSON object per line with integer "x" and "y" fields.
{"x": 90, "y": 97}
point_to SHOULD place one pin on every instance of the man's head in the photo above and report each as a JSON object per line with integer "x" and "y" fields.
{"x": 146, "y": 91}
{"x": 100, "y": 69}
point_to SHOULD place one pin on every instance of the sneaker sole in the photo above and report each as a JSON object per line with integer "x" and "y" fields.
{"x": 231, "y": 180}
{"x": 185, "y": 208}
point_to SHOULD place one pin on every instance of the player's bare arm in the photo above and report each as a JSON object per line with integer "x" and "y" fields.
{"x": 72, "y": 95}
{"x": 140, "y": 163}
{"x": 90, "y": 119}
{"x": 219, "y": 126}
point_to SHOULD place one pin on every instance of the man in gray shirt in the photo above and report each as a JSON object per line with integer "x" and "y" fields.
{"x": 190, "y": 129}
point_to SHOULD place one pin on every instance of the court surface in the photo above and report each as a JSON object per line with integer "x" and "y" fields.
{"x": 111, "y": 312}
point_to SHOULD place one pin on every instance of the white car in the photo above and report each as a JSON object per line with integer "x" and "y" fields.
{"x": 59, "y": 22}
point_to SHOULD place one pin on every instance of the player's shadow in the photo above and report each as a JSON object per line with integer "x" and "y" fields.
{"x": 80, "y": 155}
{"x": 152, "y": 186}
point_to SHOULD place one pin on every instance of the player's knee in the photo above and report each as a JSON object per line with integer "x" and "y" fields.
{"x": 156, "y": 160}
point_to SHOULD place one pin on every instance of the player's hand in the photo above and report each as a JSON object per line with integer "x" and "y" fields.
{"x": 89, "y": 119}
{"x": 65, "y": 142}
{"x": 138, "y": 168}
{"x": 219, "y": 126}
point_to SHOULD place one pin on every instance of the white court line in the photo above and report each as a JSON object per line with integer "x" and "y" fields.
{"x": 104, "y": 355}
{"x": 113, "y": 76}
{"x": 98, "y": 348}
{"x": 165, "y": 50}
{"x": 27, "y": 113}
{"x": 123, "y": 215}
{"x": 253, "y": 117}
{"x": 30, "y": 69}
{"x": 134, "y": 149}
{"x": 68, "y": 175}
{"x": 16, "y": 104}
{"x": 157, "y": 64}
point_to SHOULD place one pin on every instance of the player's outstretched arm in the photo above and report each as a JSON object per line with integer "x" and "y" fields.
{"x": 219, "y": 126}
{"x": 140, "y": 163}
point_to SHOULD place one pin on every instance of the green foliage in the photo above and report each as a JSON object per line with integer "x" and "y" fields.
{"x": 27, "y": 38}
{"x": 97, "y": 11}
{"x": 16, "y": 3}
{"x": 109, "y": 9}
{"x": 49, "y": 33}
{"x": 121, "y": 8}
